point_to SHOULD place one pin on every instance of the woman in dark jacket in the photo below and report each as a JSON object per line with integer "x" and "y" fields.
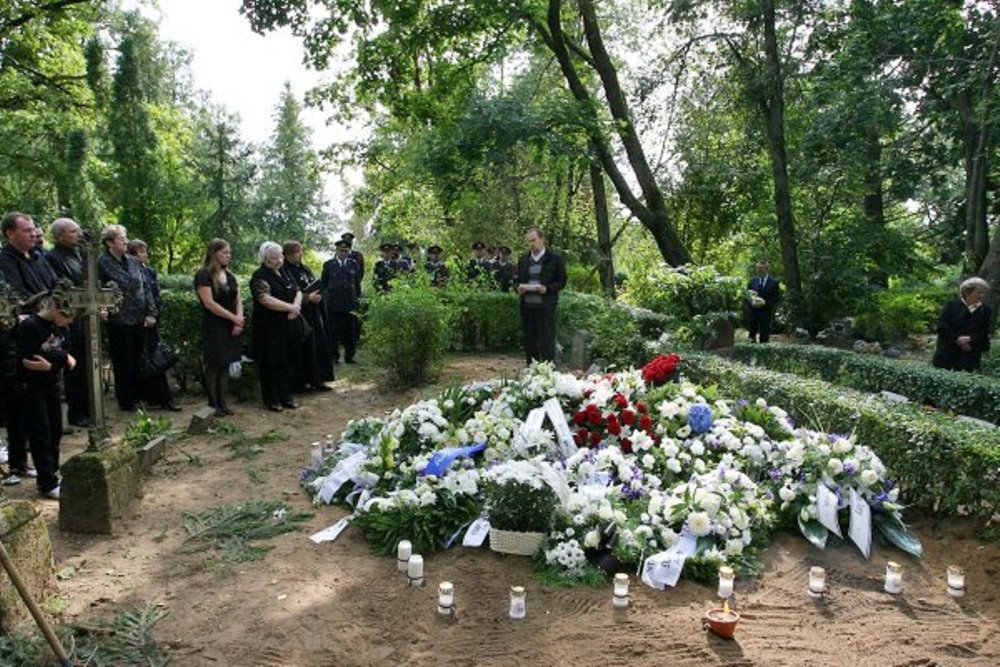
{"x": 221, "y": 322}
{"x": 277, "y": 304}
{"x": 964, "y": 328}
{"x": 153, "y": 387}
{"x": 313, "y": 360}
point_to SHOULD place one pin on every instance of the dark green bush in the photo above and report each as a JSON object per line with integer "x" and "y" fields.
{"x": 620, "y": 331}
{"x": 482, "y": 319}
{"x": 407, "y": 331}
{"x": 896, "y": 314}
{"x": 965, "y": 393}
{"x": 682, "y": 293}
{"x": 941, "y": 463}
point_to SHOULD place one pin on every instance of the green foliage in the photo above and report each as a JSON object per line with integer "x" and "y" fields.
{"x": 965, "y": 393}
{"x": 232, "y": 528}
{"x": 407, "y": 331}
{"x": 144, "y": 428}
{"x": 426, "y": 527}
{"x": 940, "y": 463}
{"x": 518, "y": 506}
{"x": 619, "y": 331}
{"x": 686, "y": 291}
{"x": 895, "y": 314}
{"x": 250, "y": 447}
{"x": 127, "y": 639}
{"x": 481, "y": 319}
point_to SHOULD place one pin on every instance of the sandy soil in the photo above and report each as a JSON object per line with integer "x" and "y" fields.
{"x": 336, "y": 604}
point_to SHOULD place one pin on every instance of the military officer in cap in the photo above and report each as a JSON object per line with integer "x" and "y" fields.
{"x": 436, "y": 267}
{"x": 356, "y": 255}
{"x": 479, "y": 265}
{"x": 386, "y": 269}
{"x": 339, "y": 285}
{"x": 504, "y": 270}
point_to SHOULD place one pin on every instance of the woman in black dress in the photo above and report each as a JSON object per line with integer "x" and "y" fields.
{"x": 312, "y": 360}
{"x": 222, "y": 322}
{"x": 277, "y": 306}
{"x": 964, "y": 328}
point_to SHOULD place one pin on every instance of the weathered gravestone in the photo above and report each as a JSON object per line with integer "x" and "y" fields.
{"x": 580, "y": 352}
{"x": 722, "y": 339}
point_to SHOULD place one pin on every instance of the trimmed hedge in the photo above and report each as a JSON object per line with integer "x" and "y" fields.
{"x": 965, "y": 393}
{"x": 950, "y": 466}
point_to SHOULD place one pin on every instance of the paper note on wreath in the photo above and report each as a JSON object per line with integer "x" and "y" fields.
{"x": 558, "y": 419}
{"x": 344, "y": 471}
{"x": 476, "y": 535}
{"x": 331, "y": 533}
{"x": 861, "y": 523}
{"x": 534, "y": 422}
{"x": 664, "y": 569}
{"x": 826, "y": 504}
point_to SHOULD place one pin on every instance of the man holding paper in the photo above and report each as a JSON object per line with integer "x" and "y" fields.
{"x": 541, "y": 274}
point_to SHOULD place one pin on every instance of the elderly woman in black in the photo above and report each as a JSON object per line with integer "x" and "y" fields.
{"x": 964, "y": 328}
{"x": 277, "y": 304}
{"x": 127, "y": 325}
{"x": 312, "y": 360}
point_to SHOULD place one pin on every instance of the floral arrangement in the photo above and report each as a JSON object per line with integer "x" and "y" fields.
{"x": 654, "y": 461}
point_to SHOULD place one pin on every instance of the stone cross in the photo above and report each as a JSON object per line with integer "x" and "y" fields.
{"x": 91, "y": 301}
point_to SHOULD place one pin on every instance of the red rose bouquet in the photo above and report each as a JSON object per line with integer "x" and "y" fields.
{"x": 661, "y": 369}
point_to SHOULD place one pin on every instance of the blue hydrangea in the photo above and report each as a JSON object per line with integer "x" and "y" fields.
{"x": 700, "y": 418}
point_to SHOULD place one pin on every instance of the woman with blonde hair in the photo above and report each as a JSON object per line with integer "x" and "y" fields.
{"x": 222, "y": 321}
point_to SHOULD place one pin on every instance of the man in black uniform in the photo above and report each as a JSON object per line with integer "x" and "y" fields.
{"x": 479, "y": 265}
{"x": 385, "y": 269}
{"x": 339, "y": 285}
{"x": 504, "y": 270}
{"x": 66, "y": 262}
{"x": 436, "y": 267}
{"x": 541, "y": 274}
{"x": 356, "y": 255}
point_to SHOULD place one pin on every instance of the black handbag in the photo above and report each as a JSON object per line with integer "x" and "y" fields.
{"x": 157, "y": 361}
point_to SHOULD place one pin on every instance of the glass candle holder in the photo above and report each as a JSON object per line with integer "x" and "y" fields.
{"x": 893, "y": 578}
{"x": 620, "y": 597}
{"x": 328, "y": 445}
{"x": 518, "y": 608}
{"x": 316, "y": 454}
{"x": 956, "y": 581}
{"x": 446, "y": 598}
{"x": 726, "y": 578}
{"x": 817, "y": 582}
{"x": 403, "y": 551}
{"x": 415, "y": 570}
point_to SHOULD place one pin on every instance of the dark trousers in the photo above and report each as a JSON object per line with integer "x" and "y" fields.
{"x": 538, "y": 331}
{"x": 759, "y": 321}
{"x": 343, "y": 332}
{"x": 17, "y": 440}
{"x": 75, "y": 380}
{"x": 275, "y": 383}
{"x": 41, "y": 417}
{"x": 126, "y": 343}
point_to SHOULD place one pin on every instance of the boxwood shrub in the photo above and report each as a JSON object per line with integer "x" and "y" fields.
{"x": 969, "y": 394}
{"x": 941, "y": 463}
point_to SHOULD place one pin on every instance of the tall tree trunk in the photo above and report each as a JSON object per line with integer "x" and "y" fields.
{"x": 773, "y": 109}
{"x": 556, "y": 228}
{"x": 605, "y": 262}
{"x": 874, "y": 201}
{"x": 976, "y": 171}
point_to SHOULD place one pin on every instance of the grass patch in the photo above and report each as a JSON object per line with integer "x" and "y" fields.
{"x": 250, "y": 447}
{"x": 255, "y": 475}
{"x": 550, "y": 575}
{"x": 228, "y": 531}
{"x": 144, "y": 428}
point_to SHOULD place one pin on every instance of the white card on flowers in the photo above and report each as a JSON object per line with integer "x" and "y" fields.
{"x": 861, "y": 523}
{"x": 664, "y": 569}
{"x": 826, "y": 505}
{"x": 476, "y": 535}
{"x": 558, "y": 419}
{"x": 535, "y": 420}
{"x": 331, "y": 533}
{"x": 344, "y": 471}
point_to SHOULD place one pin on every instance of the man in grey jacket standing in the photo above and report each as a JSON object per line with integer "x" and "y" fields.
{"x": 541, "y": 275}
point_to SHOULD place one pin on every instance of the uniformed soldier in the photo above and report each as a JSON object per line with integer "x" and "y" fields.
{"x": 504, "y": 270}
{"x": 479, "y": 264}
{"x": 339, "y": 286}
{"x": 386, "y": 269}
{"x": 356, "y": 255}
{"x": 436, "y": 267}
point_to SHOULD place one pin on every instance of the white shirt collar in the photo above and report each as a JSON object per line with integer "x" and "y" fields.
{"x": 540, "y": 254}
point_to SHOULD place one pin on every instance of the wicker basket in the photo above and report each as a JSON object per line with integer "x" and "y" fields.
{"x": 512, "y": 542}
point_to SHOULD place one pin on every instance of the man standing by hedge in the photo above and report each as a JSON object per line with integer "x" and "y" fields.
{"x": 541, "y": 274}
{"x": 765, "y": 292}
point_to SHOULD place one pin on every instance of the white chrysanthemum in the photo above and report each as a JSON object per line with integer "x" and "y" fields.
{"x": 835, "y": 466}
{"x": 699, "y": 523}
{"x": 868, "y": 477}
{"x": 592, "y": 539}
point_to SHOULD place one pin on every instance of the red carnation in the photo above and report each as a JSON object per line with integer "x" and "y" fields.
{"x": 580, "y": 418}
{"x": 646, "y": 423}
{"x": 641, "y": 407}
{"x": 628, "y": 417}
{"x": 614, "y": 428}
{"x": 621, "y": 401}
{"x": 595, "y": 438}
{"x": 580, "y": 437}
{"x": 594, "y": 417}
{"x": 626, "y": 445}
{"x": 660, "y": 369}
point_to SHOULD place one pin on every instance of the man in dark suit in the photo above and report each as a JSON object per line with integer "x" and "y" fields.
{"x": 503, "y": 270}
{"x": 339, "y": 285}
{"x": 435, "y": 266}
{"x": 541, "y": 274}
{"x": 764, "y": 294}
{"x": 479, "y": 264}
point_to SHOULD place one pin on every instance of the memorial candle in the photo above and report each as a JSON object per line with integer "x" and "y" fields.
{"x": 415, "y": 570}
{"x": 726, "y": 576}
{"x": 817, "y": 582}
{"x": 446, "y": 598}
{"x": 403, "y": 551}
{"x": 518, "y": 608}
{"x": 893, "y": 578}
{"x": 620, "y": 598}
{"x": 317, "y": 454}
{"x": 956, "y": 581}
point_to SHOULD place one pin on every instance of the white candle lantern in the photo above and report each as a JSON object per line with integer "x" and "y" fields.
{"x": 956, "y": 581}
{"x": 817, "y": 582}
{"x": 726, "y": 577}
{"x": 329, "y": 447}
{"x": 446, "y": 598}
{"x": 893, "y": 578}
{"x": 317, "y": 454}
{"x": 415, "y": 570}
{"x": 518, "y": 608}
{"x": 620, "y": 598}
{"x": 403, "y": 551}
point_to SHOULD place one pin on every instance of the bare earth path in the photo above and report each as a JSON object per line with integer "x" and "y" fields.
{"x": 336, "y": 604}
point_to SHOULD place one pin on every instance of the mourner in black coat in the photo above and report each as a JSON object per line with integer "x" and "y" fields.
{"x": 964, "y": 328}
{"x": 760, "y": 309}
{"x": 312, "y": 362}
{"x": 338, "y": 284}
{"x": 541, "y": 275}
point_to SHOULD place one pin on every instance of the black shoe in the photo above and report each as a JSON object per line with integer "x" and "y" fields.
{"x": 275, "y": 408}
{"x": 350, "y": 361}
{"x": 225, "y": 411}
{"x": 323, "y": 387}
